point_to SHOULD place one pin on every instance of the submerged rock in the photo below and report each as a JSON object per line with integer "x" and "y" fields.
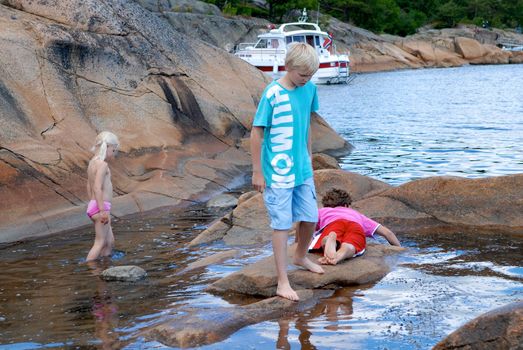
{"x": 124, "y": 273}
{"x": 213, "y": 259}
{"x": 206, "y": 326}
{"x": 498, "y": 329}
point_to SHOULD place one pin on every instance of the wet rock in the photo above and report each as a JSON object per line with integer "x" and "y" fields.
{"x": 207, "y": 326}
{"x": 124, "y": 273}
{"x": 501, "y": 328}
{"x": 435, "y": 204}
{"x": 357, "y": 185}
{"x": 249, "y": 223}
{"x": 260, "y": 278}
{"x": 450, "y": 204}
{"x": 180, "y": 107}
{"x": 222, "y": 201}
{"x": 210, "y": 260}
{"x": 324, "y": 161}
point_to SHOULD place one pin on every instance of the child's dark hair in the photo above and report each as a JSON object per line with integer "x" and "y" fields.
{"x": 336, "y": 198}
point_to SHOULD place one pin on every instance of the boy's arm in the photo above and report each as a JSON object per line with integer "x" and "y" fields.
{"x": 388, "y": 235}
{"x": 309, "y": 142}
{"x": 258, "y": 180}
{"x": 101, "y": 173}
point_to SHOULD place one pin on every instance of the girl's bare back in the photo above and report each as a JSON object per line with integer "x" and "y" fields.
{"x": 98, "y": 167}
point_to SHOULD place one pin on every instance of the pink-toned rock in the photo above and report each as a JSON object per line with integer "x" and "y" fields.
{"x": 498, "y": 329}
{"x": 469, "y": 48}
{"x": 516, "y": 57}
{"x": 431, "y": 54}
{"x": 435, "y": 204}
{"x": 74, "y": 68}
{"x": 324, "y": 161}
{"x": 260, "y": 278}
{"x": 196, "y": 327}
{"x": 357, "y": 185}
{"x": 452, "y": 204}
{"x": 249, "y": 222}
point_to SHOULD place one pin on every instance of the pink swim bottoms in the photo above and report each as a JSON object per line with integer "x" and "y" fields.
{"x": 92, "y": 208}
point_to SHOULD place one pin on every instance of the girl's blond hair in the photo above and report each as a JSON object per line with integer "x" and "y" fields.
{"x": 302, "y": 56}
{"x": 100, "y": 144}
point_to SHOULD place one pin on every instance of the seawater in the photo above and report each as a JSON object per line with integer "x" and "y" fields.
{"x": 404, "y": 125}
{"x": 407, "y": 125}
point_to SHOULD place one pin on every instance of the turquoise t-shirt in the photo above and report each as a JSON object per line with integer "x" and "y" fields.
{"x": 285, "y": 115}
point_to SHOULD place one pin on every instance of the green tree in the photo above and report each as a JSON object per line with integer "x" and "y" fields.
{"x": 449, "y": 14}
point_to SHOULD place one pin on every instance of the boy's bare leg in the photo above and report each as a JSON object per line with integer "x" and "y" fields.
{"x": 304, "y": 232}
{"x": 279, "y": 247}
{"x": 329, "y": 249}
{"x": 99, "y": 239}
{"x": 346, "y": 251}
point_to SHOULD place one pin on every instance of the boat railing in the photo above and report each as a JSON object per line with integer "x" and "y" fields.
{"x": 243, "y": 46}
{"x": 261, "y": 53}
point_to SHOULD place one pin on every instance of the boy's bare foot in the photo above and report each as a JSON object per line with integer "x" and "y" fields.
{"x": 323, "y": 260}
{"x": 307, "y": 264}
{"x": 330, "y": 246}
{"x": 285, "y": 291}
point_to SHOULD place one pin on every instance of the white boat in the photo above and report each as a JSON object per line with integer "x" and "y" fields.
{"x": 268, "y": 54}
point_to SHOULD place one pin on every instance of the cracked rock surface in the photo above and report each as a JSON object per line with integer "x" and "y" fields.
{"x": 70, "y": 69}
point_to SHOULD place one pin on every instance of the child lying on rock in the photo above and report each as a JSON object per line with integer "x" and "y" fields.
{"x": 342, "y": 231}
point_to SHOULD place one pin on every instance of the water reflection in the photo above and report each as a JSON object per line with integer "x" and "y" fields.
{"x": 104, "y": 309}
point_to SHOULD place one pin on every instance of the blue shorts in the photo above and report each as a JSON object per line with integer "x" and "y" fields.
{"x": 288, "y": 205}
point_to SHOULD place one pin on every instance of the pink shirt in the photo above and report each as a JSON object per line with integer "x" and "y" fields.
{"x": 328, "y": 215}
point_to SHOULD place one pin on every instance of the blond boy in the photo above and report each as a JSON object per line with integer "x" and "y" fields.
{"x": 281, "y": 157}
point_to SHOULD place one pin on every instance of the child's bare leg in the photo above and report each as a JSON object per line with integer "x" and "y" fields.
{"x": 304, "y": 232}
{"x": 296, "y": 234}
{"x": 329, "y": 249}
{"x": 109, "y": 241}
{"x": 346, "y": 251}
{"x": 99, "y": 239}
{"x": 279, "y": 247}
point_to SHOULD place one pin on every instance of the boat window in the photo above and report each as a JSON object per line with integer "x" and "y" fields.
{"x": 310, "y": 40}
{"x": 317, "y": 41}
{"x": 261, "y": 44}
{"x": 288, "y": 40}
{"x": 298, "y": 39}
{"x": 274, "y": 43}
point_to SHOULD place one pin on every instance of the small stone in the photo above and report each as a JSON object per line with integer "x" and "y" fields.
{"x": 124, "y": 273}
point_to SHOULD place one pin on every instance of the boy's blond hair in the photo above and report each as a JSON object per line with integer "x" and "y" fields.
{"x": 303, "y": 57}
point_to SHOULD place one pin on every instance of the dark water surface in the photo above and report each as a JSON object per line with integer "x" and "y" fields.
{"x": 405, "y": 125}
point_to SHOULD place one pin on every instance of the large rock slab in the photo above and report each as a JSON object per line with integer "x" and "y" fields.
{"x": 435, "y": 204}
{"x": 70, "y": 69}
{"x": 450, "y": 204}
{"x": 260, "y": 278}
{"x": 498, "y": 329}
{"x": 249, "y": 223}
{"x": 206, "y": 326}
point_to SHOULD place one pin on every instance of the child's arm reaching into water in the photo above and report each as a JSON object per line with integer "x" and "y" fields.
{"x": 388, "y": 235}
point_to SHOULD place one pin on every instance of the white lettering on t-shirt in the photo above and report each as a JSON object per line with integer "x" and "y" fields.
{"x": 281, "y": 138}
